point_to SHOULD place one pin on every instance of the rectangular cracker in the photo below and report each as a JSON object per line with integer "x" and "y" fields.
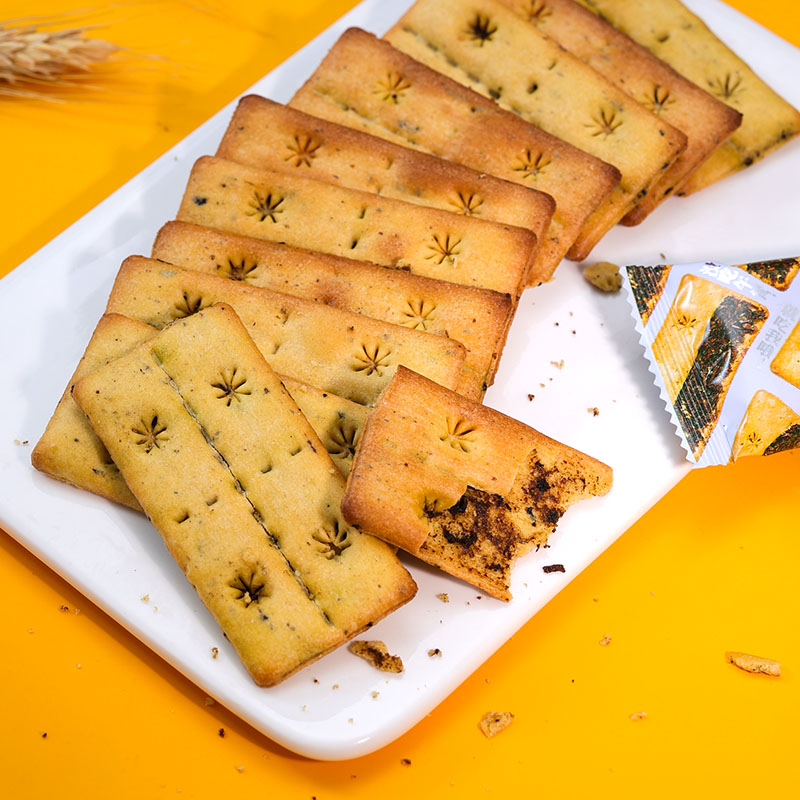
{"x": 478, "y": 318}
{"x": 269, "y": 135}
{"x": 673, "y": 33}
{"x": 367, "y": 84}
{"x": 243, "y": 494}
{"x": 487, "y": 47}
{"x": 460, "y": 485}
{"x": 706, "y": 121}
{"x": 302, "y": 212}
{"x": 70, "y": 451}
{"x": 768, "y": 426}
{"x": 348, "y": 354}
{"x": 706, "y": 334}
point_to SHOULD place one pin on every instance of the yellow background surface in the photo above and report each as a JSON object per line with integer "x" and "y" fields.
{"x": 713, "y": 567}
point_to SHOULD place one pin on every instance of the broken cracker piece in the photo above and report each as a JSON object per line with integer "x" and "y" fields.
{"x": 748, "y": 663}
{"x": 604, "y": 276}
{"x": 375, "y": 653}
{"x": 495, "y": 722}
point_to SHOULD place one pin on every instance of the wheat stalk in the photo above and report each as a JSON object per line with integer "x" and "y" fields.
{"x": 32, "y": 56}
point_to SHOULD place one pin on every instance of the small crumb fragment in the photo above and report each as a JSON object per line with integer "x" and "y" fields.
{"x": 209, "y": 701}
{"x": 63, "y": 608}
{"x": 434, "y": 652}
{"x": 553, "y": 568}
{"x": 375, "y": 653}
{"x": 594, "y": 411}
{"x": 406, "y": 762}
{"x": 350, "y": 720}
{"x": 639, "y": 715}
{"x": 444, "y": 597}
{"x": 239, "y": 768}
{"x": 335, "y": 686}
{"x": 530, "y": 397}
{"x": 558, "y": 364}
{"x": 44, "y": 735}
{"x": 495, "y": 722}
{"x": 78, "y": 666}
{"x": 221, "y": 733}
{"x": 316, "y": 680}
{"x": 375, "y": 695}
{"x": 604, "y": 276}
{"x": 606, "y": 640}
{"x": 214, "y": 652}
{"x": 763, "y": 666}
{"x": 145, "y": 598}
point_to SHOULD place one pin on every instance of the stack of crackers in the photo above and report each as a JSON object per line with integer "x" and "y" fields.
{"x": 290, "y": 386}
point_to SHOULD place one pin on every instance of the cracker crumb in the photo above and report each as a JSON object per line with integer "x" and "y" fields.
{"x": 63, "y": 608}
{"x": 406, "y": 762}
{"x": 316, "y": 680}
{"x": 375, "y": 695}
{"x": 350, "y": 720}
{"x": 375, "y": 653}
{"x": 756, "y": 664}
{"x": 639, "y": 715}
{"x": 214, "y": 652}
{"x": 495, "y": 722}
{"x": 606, "y": 640}
{"x": 558, "y": 364}
{"x": 335, "y": 686}
{"x": 145, "y": 598}
{"x": 44, "y": 734}
{"x": 594, "y": 411}
{"x": 239, "y": 768}
{"x": 530, "y": 397}
{"x": 434, "y": 652}
{"x": 209, "y": 701}
{"x": 444, "y": 597}
{"x": 553, "y": 568}
{"x": 221, "y": 733}
{"x": 604, "y": 276}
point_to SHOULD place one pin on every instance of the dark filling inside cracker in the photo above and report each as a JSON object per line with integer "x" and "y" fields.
{"x": 647, "y": 284}
{"x": 788, "y": 440}
{"x": 723, "y": 346}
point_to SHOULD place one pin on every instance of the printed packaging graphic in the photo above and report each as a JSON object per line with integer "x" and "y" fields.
{"x": 723, "y": 343}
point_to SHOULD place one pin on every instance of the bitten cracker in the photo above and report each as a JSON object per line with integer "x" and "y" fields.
{"x": 706, "y": 121}
{"x": 487, "y": 47}
{"x": 302, "y": 212}
{"x": 460, "y": 485}
{"x": 242, "y": 492}
{"x": 478, "y": 318}
{"x": 348, "y": 354}
{"x": 705, "y": 336}
{"x": 70, "y": 451}
{"x": 673, "y": 33}
{"x": 268, "y": 135}
{"x": 367, "y": 84}
{"x": 769, "y": 426}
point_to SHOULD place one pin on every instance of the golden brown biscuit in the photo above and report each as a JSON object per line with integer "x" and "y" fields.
{"x": 348, "y": 354}
{"x": 268, "y": 135}
{"x": 242, "y": 492}
{"x": 489, "y": 48}
{"x": 460, "y": 485}
{"x": 670, "y": 31}
{"x": 367, "y": 84}
{"x": 478, "y": 318}
{"x": 706, "y": 121}
{"x": 302, "y": 212}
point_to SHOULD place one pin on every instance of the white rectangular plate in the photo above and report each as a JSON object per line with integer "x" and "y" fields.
{"x": 50, "y": 305}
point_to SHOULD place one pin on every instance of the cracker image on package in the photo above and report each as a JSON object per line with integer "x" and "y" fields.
{"x": 70, "y": 451}
{"x": 268, "y": 135}
{"x": 488, "y": 48}
{"x": 348, "y": 354}
{"x": 302, "y": 212}
{"x": 369, "y": 85}
{"x": 673, "y": 33}
{"x": 786, "y": 363}
{"x": 242, "y": 492}
{"x": 778, "y": 273}
{"x": 706, "y": 120}
{"x": 647, "y": 284}
{"x": 459, "y": 485}
{"x": 478, "y": 318}
{"x": 706, "y": 334}
{"x": 769, "y": 426}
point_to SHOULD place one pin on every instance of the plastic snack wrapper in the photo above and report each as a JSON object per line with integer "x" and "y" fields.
{"x": 723, "y": 343}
